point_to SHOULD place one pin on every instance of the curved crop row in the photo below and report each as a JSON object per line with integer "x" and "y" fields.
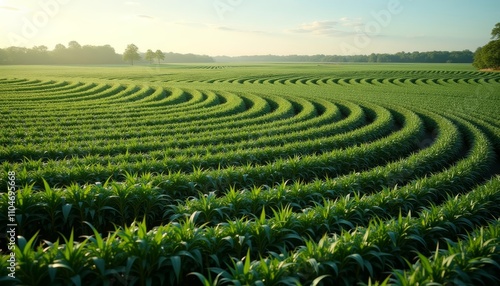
{"x": 326, "y": 174}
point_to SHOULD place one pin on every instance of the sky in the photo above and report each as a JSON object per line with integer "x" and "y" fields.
{"x": 252, "y": 27}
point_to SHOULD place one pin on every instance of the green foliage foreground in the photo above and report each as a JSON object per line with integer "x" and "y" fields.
{"x": 255, "y": 174}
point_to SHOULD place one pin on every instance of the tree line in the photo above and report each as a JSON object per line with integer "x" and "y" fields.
{"x": 132, "y": 54}
{"x": 465, "y": 56}
{"x": 74, "y": 53}
{"x": 484, "y": 57}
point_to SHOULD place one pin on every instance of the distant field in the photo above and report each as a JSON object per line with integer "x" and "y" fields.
{"x": 270, "y": 174}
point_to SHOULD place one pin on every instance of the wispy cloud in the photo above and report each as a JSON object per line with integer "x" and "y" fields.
{"x": 146, "y": 16}
{"x": 218, "y": 27}
{"x": 343, "y": 26}
{"x": 10, "y": 8}
{"x": 351, "y": 22}
{"x": 317, "y": 27}
{"x": 230, "y": 29}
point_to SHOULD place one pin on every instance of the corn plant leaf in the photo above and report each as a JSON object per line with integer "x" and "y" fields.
{"x": 425, "y": 263}
{"x": 204, "y": 281}
{"x": 66, "y": 209}
{"x": 359, "y": 260}
{"x": 61, "y": 265}
{"x": 246, "y": 268}
{"x": 314, "y": 264}
{"x": 316, "y": 281}
{"x": 77, "y": 280}
{"x": 99, "y": 264}
{"x": 176, "y": 264}
{"x": 25, "y": 246}
{"x": 52, "y": 272}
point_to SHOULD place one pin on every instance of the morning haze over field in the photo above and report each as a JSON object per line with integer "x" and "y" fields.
{"x": 256, "y": 27}
{"x": 249, "y": 142}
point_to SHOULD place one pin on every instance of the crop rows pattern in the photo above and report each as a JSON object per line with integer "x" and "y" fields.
{"x": 252, "y": 175}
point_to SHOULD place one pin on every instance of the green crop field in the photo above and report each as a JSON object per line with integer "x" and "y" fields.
{"x": 250, "y": 174}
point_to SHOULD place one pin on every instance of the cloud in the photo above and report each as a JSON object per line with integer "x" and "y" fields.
{"x": 351, "y": 22}
{"x": 229, "y": 29}
{"x": 343, "y": 26}
{"x": 223, "y": 28}
{"x": 317, "y": 27}
{"x": 218, "y": 27}
{"x": 9, "y": 8}
{"x": 145, "y": 16}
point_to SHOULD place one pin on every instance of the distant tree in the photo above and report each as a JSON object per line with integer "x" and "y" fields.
{"x": 131, "y": 53}
{"x": 38, "y": 55}
{"x": 74, "y": 45}
{"x": 187, "y": 58}
{"x": 478, "y": 59}
{"x": 495, "y": 33}
{"x": 372, "y": 58}
{"x": 4, "y": 57}
{"x": 60, "y": 55}
{"x": 160, "y": 56}
{"x": 488, "y": 56}
{"x": 59, "y": 47}
{"x": 40, "y": 49}
{"x": 150, "y": 56}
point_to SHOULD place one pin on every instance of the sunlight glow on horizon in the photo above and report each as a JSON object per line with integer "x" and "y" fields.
{"x": 244, "y": 27}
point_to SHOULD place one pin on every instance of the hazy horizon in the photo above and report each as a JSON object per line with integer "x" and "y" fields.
{"x": 244, "y": 27}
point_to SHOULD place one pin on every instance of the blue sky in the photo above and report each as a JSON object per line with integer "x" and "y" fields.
{"x": 252, "y": 27}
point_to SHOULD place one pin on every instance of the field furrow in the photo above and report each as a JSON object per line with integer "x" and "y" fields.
{"x": 265, "y": 174}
